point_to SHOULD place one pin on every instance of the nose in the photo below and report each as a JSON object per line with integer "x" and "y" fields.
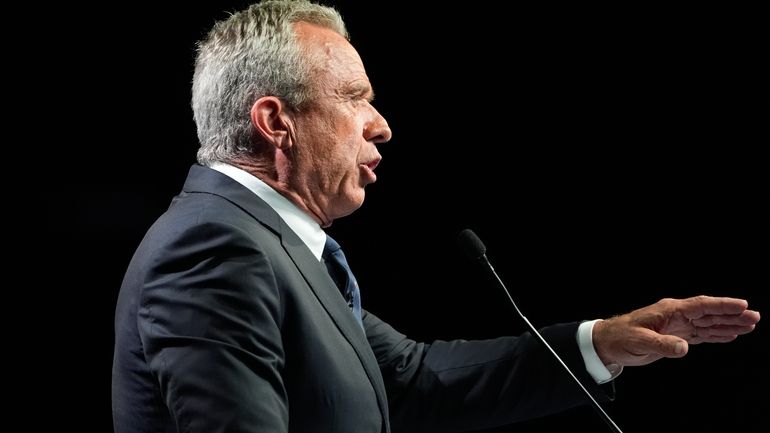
{"x": 377, "y": 130}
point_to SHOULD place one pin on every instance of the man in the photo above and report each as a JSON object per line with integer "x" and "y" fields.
{"x": 230, "y": 318}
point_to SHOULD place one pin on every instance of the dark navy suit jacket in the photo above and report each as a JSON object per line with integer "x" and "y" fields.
{"x": 226, "y": 322}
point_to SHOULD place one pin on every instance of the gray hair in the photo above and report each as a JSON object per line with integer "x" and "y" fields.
{"x": 253, "y": 53}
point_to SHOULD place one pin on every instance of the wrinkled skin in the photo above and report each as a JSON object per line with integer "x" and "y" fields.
{"x": 666, "y": 328}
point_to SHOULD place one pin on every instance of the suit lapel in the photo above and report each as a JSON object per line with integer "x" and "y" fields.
{"x": 328, "y": 294}
{"x": 203, "y": 179}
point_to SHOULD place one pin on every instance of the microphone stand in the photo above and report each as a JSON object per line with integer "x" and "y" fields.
{"x": 476, "y": 250}
{"x": 610, "y": 423}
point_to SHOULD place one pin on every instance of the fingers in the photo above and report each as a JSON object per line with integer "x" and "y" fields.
{"x": 700, "y": 306}
{"x": 745, "y": 318}
{"x": 717, "y": 333}
{"x": 713, "y": 339}
{"x": 670, "y": 346}
{"x": 724, "y": 330}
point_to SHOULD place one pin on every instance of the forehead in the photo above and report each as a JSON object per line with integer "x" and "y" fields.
{"x": 334, "y": 56}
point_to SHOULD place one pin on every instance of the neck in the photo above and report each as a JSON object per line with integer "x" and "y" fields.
{"x": 278, "y": 178}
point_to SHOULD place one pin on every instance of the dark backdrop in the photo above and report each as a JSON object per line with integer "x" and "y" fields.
{"x": 608, "y": 158}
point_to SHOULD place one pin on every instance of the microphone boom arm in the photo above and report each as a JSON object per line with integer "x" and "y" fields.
{"x": 475, "y": 250}
{"x": 614, "y": 427}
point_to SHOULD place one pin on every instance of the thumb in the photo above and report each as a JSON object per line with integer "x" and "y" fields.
{"x": 670, "y": 346}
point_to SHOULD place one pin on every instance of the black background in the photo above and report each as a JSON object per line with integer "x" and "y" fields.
{"x": 607, "y": 158}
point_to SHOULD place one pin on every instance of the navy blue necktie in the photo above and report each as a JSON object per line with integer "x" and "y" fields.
{"x": 340, "y": 272}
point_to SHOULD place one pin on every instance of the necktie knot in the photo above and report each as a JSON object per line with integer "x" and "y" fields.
{"x": 339, "y": 271}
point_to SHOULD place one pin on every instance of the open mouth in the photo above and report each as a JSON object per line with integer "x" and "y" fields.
{"x": 368, "y": 169}
{"x": 373, "y": 163}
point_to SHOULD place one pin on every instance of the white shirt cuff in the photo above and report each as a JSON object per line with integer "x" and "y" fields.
{"x": 594, "y": 365}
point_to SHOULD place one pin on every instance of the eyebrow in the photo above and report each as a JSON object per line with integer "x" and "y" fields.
{"x": 361, "y": 90}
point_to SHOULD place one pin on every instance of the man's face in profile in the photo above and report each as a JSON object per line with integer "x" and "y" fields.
{"x": 336, "y": 132}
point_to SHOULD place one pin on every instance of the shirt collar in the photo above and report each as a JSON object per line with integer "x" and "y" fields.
{"x": 311, "y": 234}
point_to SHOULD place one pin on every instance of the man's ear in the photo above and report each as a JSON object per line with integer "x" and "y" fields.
{"x": 272, "y": 121}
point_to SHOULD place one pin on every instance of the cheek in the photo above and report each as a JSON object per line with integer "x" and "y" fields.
{"x": 345, "y": 146}
{"x": 349, "y": 146}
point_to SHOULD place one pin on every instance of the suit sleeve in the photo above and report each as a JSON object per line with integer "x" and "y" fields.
{"x": 454, "y": 386}
{"x": 209, "y": 320}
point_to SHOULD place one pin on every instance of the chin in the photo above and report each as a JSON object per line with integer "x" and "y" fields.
{"x": 351, "y": 202}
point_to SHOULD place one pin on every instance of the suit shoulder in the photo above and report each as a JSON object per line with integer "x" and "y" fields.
{"x": 204, "y": 222}
{"x": 202, "y": 208}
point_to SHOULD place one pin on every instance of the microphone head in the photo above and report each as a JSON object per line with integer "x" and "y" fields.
{"x": 471, "y": 244}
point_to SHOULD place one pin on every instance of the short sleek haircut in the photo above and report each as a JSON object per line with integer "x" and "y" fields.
{"x": 251, "y": 54}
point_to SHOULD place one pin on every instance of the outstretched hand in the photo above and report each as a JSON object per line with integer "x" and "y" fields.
{"x": 666, "y": 328}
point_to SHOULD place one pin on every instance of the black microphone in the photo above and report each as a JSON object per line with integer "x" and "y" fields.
{"x": 476, "y": 251}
